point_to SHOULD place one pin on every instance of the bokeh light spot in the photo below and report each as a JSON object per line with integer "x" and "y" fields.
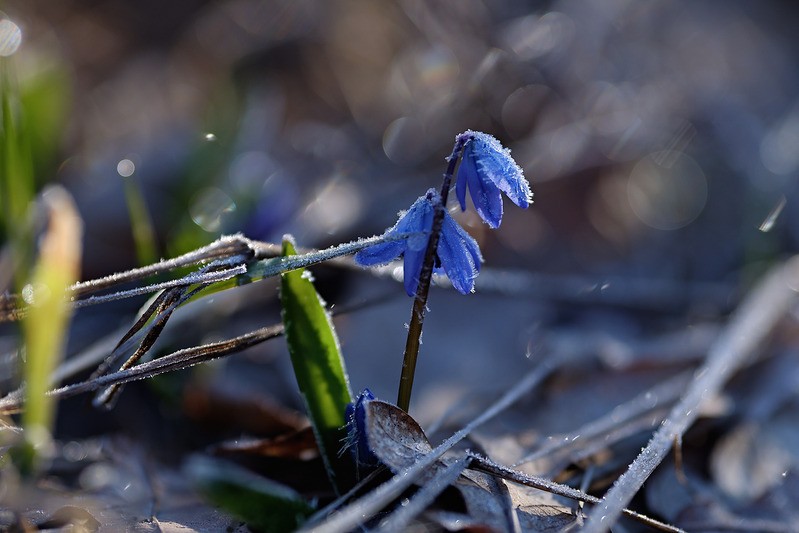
{"x": 521, "y": 107}
{"x": 404, "y": 141}
{"x": 126, "y": 168}
{"x": 778, "y": 147}
{"x": 209, "y": 207}
{"x": 667, "y": 190}
{"x": 250, "y": 170}
{"x": 10, "y": 38}
{"x": 532, "y": 36}
{"x": 35, "y": 294}
{"x": 338, "y": 205}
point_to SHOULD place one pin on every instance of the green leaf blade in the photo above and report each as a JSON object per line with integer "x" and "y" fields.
{"x": 318, "y": 366}
{"x": 260, "y": 502}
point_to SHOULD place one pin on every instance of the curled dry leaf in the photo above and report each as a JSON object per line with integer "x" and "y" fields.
{"x": 394, "y": 436}
{"x": 398, "y": 441}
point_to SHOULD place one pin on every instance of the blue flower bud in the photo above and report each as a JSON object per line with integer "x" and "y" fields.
{"x": 488, "y": 170}
{"x": 357, "y": 441}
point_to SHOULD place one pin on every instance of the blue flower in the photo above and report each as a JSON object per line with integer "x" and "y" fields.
{"x": 488, "y": 169}
{"x": 458, "y": 254}
{"x": 356, "y": 440}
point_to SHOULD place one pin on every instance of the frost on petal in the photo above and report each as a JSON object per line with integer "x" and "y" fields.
{"x": 416, "y": 224}
{"x": 486, "y": 196}
{"x": 487, "y": 200}
{"x": 411, "y": 267}
{"x": 511, "y": 181}
{"x": 495, "y": 163}
{"x": 379, "y": 253}
{"x": 459, "y": 254}
{"x": 471, "y": 246}
{"x": 420, "y": 222}
{"x": 408, "y": 223}
{"x": 420, "y": 216}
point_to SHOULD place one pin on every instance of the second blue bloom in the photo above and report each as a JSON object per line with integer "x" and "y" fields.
{"x": 458, "y": 253}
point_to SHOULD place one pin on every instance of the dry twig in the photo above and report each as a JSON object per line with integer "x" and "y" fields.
{"x": 748, "y": 328}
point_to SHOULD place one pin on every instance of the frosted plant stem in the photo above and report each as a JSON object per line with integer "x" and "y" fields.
{"x": 748, "y": 328}
{"x": 420, "y": 301}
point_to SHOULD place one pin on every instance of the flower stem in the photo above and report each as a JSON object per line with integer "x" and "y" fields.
{"x": 425, "y": 275}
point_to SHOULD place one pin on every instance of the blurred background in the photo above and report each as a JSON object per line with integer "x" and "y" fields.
{"x": 661, "y": 140}
{"x": 658, "y": 137}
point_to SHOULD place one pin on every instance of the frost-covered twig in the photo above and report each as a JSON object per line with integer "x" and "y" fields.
{"x": 178, "y": 360}
{"x": 190, "y": 279}
{"x": 225, "y": 246}
{"x": 607, "y": 428}
{"x": 749, "y": 326}
{"x": 150, "y": 332}
{"x": 399, "y": 519}
{"x": 248, "y": 261}
{"x": 485, "y": 465}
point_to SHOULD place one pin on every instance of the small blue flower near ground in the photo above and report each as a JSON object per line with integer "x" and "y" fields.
{"x": 357, "y": 441}
{"x": 488, "y": 170}
{"x": 458, "y": 253}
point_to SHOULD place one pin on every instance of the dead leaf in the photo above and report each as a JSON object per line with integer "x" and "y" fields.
{"x": 299, "y": 445}
{"x": 394, "y": 436}
{"x": 249, "y": 413}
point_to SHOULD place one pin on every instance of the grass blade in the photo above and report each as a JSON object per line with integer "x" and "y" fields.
{"x": 316, "y": 357}
{"x": 17, "y": 186}
{"x": 141, "y": 223}
{"x": 45, "y": 327}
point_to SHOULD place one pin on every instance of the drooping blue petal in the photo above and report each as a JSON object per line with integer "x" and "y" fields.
{"x": 379, "y": 254}
{"x": 459, "y": 254}
{"x": 417, "y": 245}
{"x": 388, "y": 251}
{"x": 488, "y": 168}
{"x": 420, "y": 221}
{"x": 495, "y": 162}
{"x": 486, "y": 196}
{"x": 470, "y": 245}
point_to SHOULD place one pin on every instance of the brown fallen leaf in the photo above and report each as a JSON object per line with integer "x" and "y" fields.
{"x": 246, "y": 412}
{"x": 299, "y": 445}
